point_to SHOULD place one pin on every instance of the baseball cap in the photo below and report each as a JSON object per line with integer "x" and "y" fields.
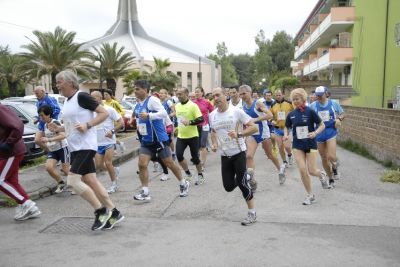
{"x": 320, "y": 90}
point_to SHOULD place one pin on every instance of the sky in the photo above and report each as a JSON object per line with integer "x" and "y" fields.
{"x": 196, "y": 26}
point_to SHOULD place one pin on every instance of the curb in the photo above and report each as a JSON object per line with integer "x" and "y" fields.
{"x": 46, "y": 191}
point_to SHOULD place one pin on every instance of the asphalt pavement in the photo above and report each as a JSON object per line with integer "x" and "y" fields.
{"x": 355, "y": 224}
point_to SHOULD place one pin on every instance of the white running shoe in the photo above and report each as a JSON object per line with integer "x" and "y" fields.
{"x": 282, "y": 176}
{"x": 113, "y": 188}
{"x": 290, "y": 159}
{"x": 324, "y": 181}
{"x": 250, "y": 219}
{"x": 309, "y": 200}
{"x": 200, "y": 179}
{"x": 164, "y": 177}
{"x": 24, "y": 210}
{"x": 60, "y": 188}
{"x": 184, "y": 189}
{"x": 142, "y": 196}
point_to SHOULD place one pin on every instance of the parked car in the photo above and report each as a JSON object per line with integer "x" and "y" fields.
{"x": 129, "y": 108}
{"x": 28, "y": 114}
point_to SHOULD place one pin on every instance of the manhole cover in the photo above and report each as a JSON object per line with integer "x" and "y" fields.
{"x": 69, "y": 225}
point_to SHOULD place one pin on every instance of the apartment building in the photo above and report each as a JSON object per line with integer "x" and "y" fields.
{"x": 354, "y": 47}
{"x": 324, "y": 49}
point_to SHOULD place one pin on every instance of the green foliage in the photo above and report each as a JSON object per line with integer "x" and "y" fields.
{"x": 114, "y": 63}
{"x": 244, "y": 67}
{"x": 54, "y": 52}
{"x": 13, "y": 73}
{"x": 160, "y": 77}
{"x": 129, "y": 80}
{"x": 281, "y": 51}
{"x": 228, "y": 75}
{"x": 286, "y": 82}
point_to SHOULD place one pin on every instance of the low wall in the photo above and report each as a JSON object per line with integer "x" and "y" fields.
{"x": 378, "y": 130}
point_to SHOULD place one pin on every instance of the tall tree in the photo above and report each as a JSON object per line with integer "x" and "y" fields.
{"x": 281, "y": 50}
{"x": 114, "y": 63}
{"x": 228, "y": 75}
{"x": 54, "y": 52}
{"x": 13, "y": 72}
{"x": 244, "y": 67}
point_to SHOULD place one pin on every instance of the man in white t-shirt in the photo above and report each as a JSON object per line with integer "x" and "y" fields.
{"x": 225, "y": 122}
{"x": 106, "y": 141}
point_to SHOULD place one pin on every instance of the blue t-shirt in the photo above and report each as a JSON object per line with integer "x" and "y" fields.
{"x": 303, "y": 123}
{"x": 336, "y": 106}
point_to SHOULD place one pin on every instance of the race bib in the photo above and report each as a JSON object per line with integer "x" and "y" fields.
{"x": 324, "y": 115}
{"x": 206, "y": 127}
{"x": 302, "y": 132}
{"x": 281, "y": 116}
{"x": 142, "y": 128}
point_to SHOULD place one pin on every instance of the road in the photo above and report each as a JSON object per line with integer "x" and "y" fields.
{"x": 355, "y": 224}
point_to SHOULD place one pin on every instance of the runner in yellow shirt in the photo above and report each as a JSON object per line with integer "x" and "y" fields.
{"x": 280, "y": 110}
{"x": 189, "y": 116}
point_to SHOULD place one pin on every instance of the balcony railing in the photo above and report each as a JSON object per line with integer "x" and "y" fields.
{"x": 338, "y": 15}
{"x": 337, "y": 56}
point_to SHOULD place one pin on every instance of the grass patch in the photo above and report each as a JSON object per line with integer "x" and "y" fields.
{"x": 391, "y": 176}
{"x": 7, "y": 202}
{"x": 33, "y": 162}
{"x": 356, "y": 148}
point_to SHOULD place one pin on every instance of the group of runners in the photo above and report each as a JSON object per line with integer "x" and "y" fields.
{"x": 235, "y": 119}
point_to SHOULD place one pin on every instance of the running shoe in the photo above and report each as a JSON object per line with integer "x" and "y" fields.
{"x": 164, "y": 177}
{"x": 116, "y": 169}
{"x": 18, "y": 211}
{"x": 33, "y": 213}
{"x": 290, "y": 159}
{"x": 24, "y": 210}
{"x": 113, "y": 188}
{"x": 250, "y": 219}
{"x": 282, "y": 176}
{"x": 122, "y": 147}
{"x": 156, "y": 167}
{"x": 336, "y": 174}
{"x": 184, "y": 189}
{"x": 60, "y": 188}
{"x": 116, "y": 217}
{"x": 252, "y": 182}
{"x": 286, "y": 164}
{"x": 101, "y": 217}
{"x": 142, "y": 196}
{"x": 324, "y": 181}
{"x": 200, "y": 179}
{"x": 332, "y": 183}
{"x": 309, "y": 200}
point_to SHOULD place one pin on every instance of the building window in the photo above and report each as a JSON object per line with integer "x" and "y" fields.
{"x": 189, "y": 81}
{"x": 397, "y": 34}
{"x": 199, "y": 79}
{"x": 340, "y": 78}
{"x": 179, "y": 74}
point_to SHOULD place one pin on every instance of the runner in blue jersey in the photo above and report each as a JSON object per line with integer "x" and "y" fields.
{"x": 260, "y": 114}
{"x": 303, "y": 120}
{"x": 150, "y": 115}
{"x": 332, "y": 114}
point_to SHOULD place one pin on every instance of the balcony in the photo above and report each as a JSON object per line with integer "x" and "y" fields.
{"x": 335, "y": 22}
{"x": 335, "y": 57}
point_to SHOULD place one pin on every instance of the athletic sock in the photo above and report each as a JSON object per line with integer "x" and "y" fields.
{"x": 183, "y": 181}
{"x": 188, "y": 172}
{"x": 145, "y": 190}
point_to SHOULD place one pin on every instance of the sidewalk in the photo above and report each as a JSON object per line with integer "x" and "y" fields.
{"x": 38, "y": 183}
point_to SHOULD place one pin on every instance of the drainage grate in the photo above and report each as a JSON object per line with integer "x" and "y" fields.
{"x": 69, "y": 225}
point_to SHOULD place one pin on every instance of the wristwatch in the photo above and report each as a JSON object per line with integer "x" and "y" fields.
{"x": 88, "y": 126}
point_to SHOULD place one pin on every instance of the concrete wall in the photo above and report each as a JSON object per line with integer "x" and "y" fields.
{"x": 378, "y": 130}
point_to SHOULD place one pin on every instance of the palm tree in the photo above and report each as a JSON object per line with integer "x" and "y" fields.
{"x": 13, "y": 71}
{"x": 161, "y": 78}
{"x": 114, "y": 63}
{"x": 54, "y": 52}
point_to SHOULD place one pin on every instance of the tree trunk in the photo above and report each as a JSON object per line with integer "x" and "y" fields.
{"x": 54, "y": 83}
{"x": 12, "y": 87}
{"x": 111, "y": 84}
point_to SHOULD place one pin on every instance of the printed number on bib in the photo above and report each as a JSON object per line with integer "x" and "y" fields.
{"x": 206, "y": 127}
{"x": 142, "y": 128}
{"x": 302, "y": 132}
{"x": 324, "y": 115}
{"x": 281, "y": 115}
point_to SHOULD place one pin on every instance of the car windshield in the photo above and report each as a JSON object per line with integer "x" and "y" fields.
{"x": 29, "y": 108}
